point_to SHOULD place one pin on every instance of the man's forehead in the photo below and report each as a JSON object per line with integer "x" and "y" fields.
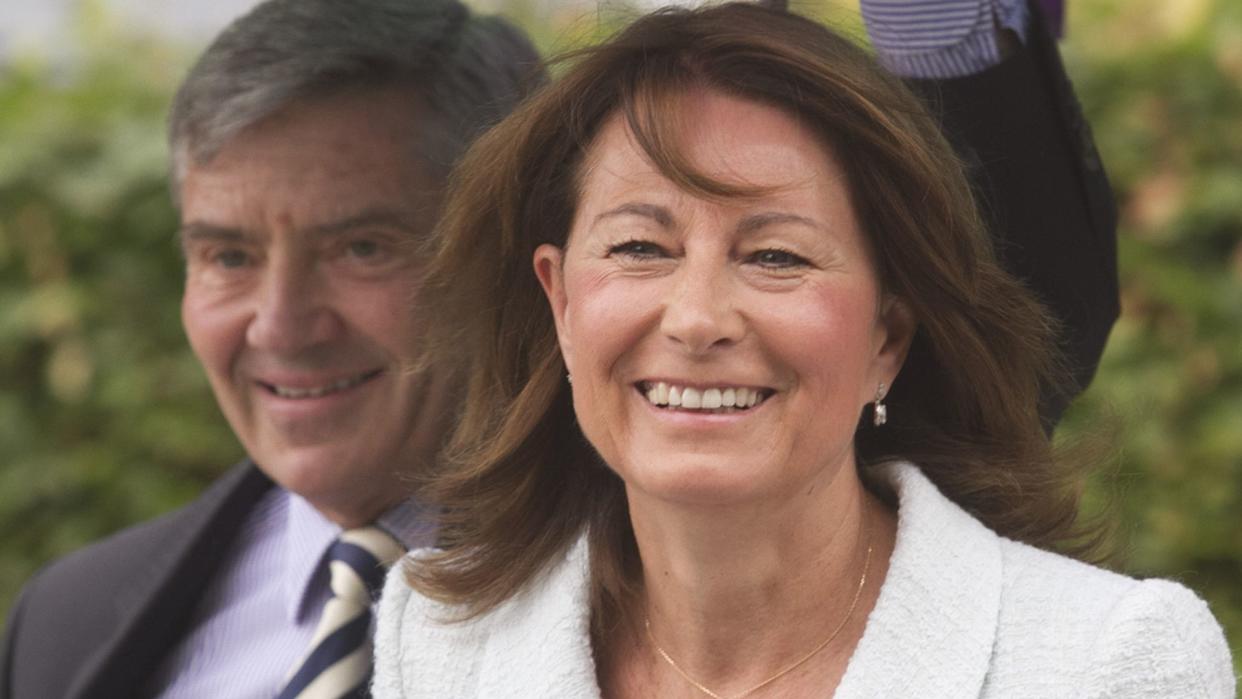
{"x": 334, "y": 133}
{"x": 317, "y": 168}
{"x": 374, "y": 218}
{"x": 398, "y": 108}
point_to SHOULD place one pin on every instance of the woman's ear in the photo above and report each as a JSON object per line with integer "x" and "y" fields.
{"x": 895, "y": 329}
{"x": 549, "y": 264}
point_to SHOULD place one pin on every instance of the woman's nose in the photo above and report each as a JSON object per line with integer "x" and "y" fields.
{"x": 701, "y": 313}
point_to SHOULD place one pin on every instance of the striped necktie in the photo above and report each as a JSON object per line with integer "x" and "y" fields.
{"x": 338, "y": 663}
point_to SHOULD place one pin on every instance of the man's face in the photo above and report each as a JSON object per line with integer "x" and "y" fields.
{"x": 298, "y": 297}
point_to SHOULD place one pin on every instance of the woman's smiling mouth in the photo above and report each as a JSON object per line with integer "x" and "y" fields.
{"x": 723, "y": 398}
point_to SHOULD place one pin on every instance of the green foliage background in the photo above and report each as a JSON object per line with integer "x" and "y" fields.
{"x": 106, "y": 418}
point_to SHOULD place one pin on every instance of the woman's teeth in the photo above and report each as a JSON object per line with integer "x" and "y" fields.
{"x": 688, "y": 398}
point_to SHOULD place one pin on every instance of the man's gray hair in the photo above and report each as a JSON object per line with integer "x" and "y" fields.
{"x": 468, "y": 71}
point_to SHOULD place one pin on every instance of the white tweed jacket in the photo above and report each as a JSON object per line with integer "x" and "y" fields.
{"x": 962, "y": 613}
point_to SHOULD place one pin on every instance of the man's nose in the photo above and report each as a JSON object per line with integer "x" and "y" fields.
{"x": 701, "y": 313}
{"x": 293, "y": 308}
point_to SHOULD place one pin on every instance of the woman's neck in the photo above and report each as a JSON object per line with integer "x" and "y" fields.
{"x": 737, "y": 593}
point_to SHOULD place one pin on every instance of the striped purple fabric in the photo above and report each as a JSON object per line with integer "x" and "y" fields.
{"x": 259, "y": 614}
{"x": 943, "y": 39}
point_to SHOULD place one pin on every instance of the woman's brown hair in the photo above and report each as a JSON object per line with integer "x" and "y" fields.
{"x": 519, "y": 482}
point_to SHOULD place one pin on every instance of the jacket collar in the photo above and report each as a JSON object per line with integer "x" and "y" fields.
{"x": 930, "y": 634}
{"x": 549, "y": 626}
{"x": 932, "y": 629}
{"x": 535, "y": 644}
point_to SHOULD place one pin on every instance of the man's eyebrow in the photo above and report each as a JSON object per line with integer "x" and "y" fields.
{"x": 195, "y": 231}
{"x": 206, "y": 231}
{"x": 659, "y": 214}
{"x": 381, "y": 217}
{"x": 755, "y": 222}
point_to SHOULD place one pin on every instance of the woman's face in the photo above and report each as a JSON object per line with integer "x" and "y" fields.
{"x": 769, "y": 305}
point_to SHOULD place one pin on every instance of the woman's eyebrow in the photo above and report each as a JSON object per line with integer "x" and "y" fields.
{"x": 659, "y": 214}
{"x": 755, "y": 222}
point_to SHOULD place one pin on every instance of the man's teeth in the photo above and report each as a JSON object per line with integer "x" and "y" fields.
{"x": 317, "y": 391}
{"x": 686, "y": 397}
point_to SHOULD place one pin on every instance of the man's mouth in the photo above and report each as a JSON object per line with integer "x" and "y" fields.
{"x": 302, "y": 392}
{"x": 710, "y": 399}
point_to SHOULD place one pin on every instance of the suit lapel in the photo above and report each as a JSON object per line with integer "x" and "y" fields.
{"x": 166, "y": 584}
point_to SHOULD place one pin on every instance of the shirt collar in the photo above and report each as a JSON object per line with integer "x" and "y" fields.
{"x": 411, "y": 522}
{"x": 309, "y": 534}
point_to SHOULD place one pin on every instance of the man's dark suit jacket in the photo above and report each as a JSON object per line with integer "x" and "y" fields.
{"x": 98, "y": 623}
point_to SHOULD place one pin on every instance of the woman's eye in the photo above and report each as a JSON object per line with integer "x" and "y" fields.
{"x": 777, "y": 259}
{"x": 637, "y": 249}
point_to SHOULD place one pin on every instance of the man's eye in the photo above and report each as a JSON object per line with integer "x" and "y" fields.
{"x": 230, "y": 259}
{"x": 636, "y": 249}
{"x": 363, "y": 248}
{"x": 777, "y": 258}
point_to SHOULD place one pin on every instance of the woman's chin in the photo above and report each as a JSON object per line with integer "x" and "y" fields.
{"x": 731, "y": 480}
{"x": 700, "y": 484}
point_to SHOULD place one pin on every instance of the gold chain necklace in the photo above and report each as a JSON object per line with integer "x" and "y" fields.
{"x": 862, "y": 581}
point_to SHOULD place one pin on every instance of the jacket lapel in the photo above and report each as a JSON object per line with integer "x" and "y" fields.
{"x": 535, "y": 644}
{"x": 932, "y": 630}
{"x": 166, "y": 583}
{"x": 930, "y": 634}
{"x": 540, "y": 641}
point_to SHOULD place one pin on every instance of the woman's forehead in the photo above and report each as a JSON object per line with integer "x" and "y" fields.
{"x": 746, "y": 147}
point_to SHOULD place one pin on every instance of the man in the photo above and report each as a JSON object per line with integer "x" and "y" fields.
{"x": 310, "y": 144}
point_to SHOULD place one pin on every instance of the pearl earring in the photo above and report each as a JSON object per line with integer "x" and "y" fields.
{"x": 881, "y": 410}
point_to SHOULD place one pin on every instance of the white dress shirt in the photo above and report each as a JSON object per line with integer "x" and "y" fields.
{"x": 258, "y": 615}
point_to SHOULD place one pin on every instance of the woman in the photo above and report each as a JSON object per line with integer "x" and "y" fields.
{"x": 743, "y": 233}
